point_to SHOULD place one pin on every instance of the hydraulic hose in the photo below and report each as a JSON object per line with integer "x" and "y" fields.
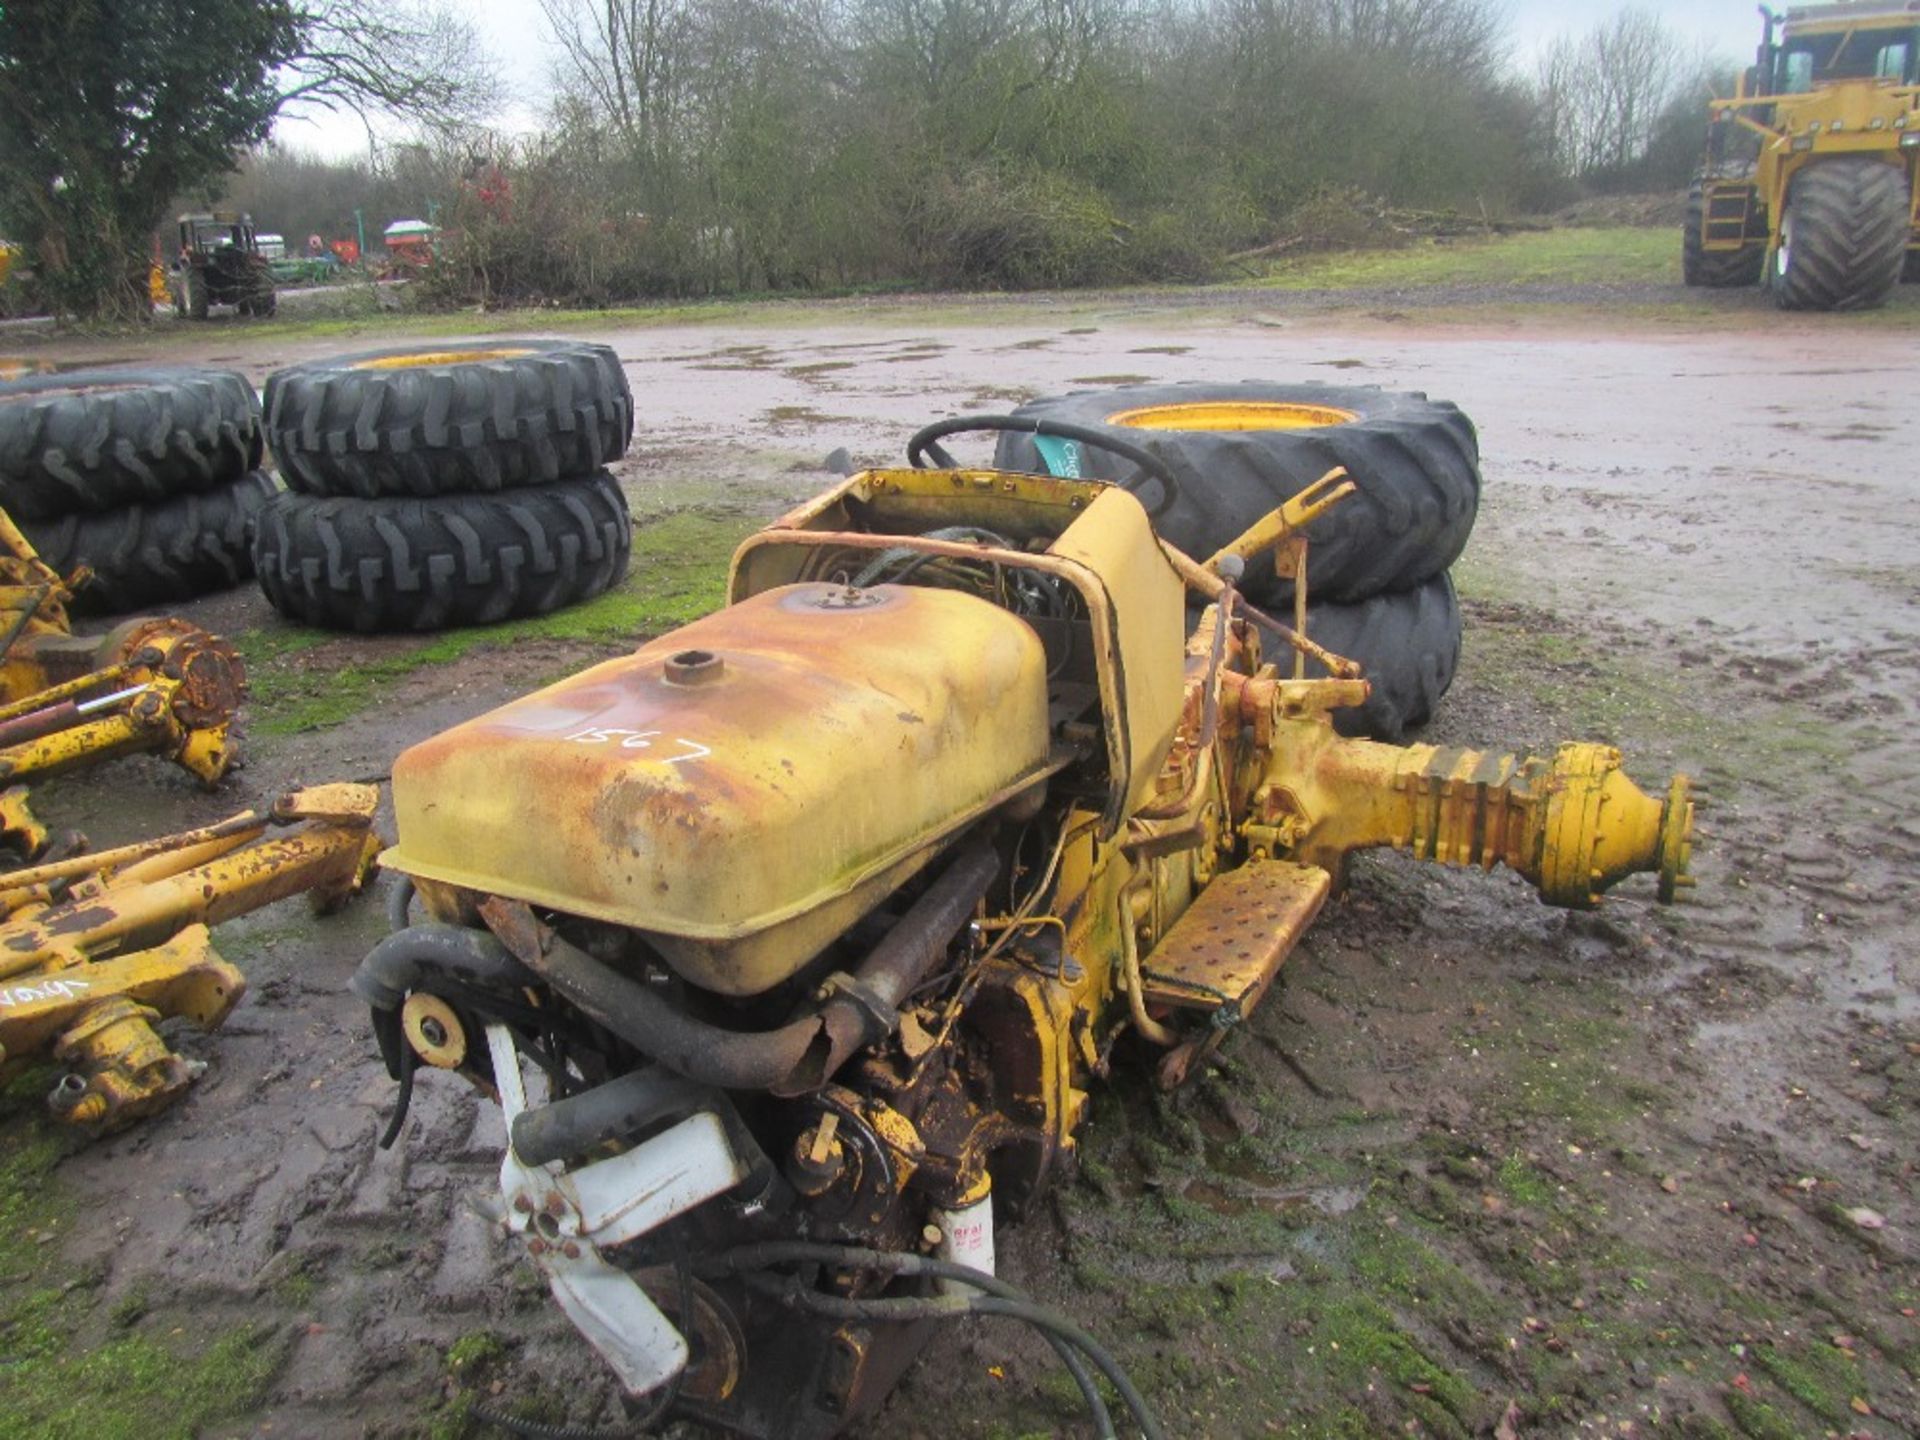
{"x": 755, "y": 1257}
{"x": 397, "y": 964}
{"x": 1000, "y": 1299}
{"x": 803, "y": 1054}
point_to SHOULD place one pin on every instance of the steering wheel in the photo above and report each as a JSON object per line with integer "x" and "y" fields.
{"x": 925, "y": 445}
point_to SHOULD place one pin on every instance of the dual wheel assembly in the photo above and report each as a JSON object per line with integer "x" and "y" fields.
{"x": 1212, "y": 459}
{"x": 437, "y": 487}
{"x": 149, "y": 477}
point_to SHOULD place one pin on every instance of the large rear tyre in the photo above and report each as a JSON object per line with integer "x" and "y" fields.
{"x": 1408, "y": 645}
{"x": 1843, "y": 236}
{"x": 147, "y": 555}
{"x": 1240, "y": 450}
{"x": 96, "y": 440}
{"x": 1715, "y": 269}
{"x": 448, "y": 420}
{"x": 370, "y": 565}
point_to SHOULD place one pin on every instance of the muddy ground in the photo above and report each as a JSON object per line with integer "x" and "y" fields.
{"x": 1477, "y": 1167}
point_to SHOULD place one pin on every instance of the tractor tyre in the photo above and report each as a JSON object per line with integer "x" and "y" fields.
{"x": 194, "y": 288}
{"x": 1715, "y": 269}
{"x": 97, "y": 440}
{"x": 1910, "y": 270}
{"x": 1843, "y": 237}
{"x": 1408, "y": 645}
{"x": 425, "y": 422}
{"x": 391, "y": 564}
{"x": 146, "y": 555}
{"x": 1246, "y": 448}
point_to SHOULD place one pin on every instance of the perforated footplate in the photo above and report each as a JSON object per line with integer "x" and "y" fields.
{"x": 1231, "y": 942}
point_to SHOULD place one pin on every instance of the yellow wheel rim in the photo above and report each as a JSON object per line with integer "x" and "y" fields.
{"x": 438, "y": 357}
{"x": 1233, "y": 415}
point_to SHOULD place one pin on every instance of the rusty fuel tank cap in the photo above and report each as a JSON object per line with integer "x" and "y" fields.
{"x": 693, "y": 667}
{"x": 846, "y": 597}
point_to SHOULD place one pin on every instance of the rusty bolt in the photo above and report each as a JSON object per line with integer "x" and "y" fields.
{"x": 536, "y": 1246}
{"x": 522, "y": 1204}
{"x": 570, "y": 1250}
{"x": 556, "y": 1207}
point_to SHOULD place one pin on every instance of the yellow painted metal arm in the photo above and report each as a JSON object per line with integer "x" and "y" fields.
{"x": 1308, "y": 505}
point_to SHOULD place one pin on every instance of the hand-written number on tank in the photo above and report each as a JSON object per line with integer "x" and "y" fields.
{"x": 52, "y": 990}
{"x": 637, "y": 740}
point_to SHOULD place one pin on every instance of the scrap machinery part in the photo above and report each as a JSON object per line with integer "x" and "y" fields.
{"x": 33, "y": 602}
{"x": 96, "y": 951}
{"x": 153, "y": 685}
{"x": 823, "y": 915}
{"x": 161, "y": 686}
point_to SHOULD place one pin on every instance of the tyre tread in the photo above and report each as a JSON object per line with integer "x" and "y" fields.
{"x": 464, "y": 427}
{"x": 347, "y": 563}
{"x": 157, "y": 434}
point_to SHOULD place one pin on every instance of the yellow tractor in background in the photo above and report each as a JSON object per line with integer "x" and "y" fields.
{"x": 1822, "y": 208}
{"x": 794, "y": 945}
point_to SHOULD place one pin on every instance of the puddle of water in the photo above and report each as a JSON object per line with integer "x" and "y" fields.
{"x": 1231, "y": 1198}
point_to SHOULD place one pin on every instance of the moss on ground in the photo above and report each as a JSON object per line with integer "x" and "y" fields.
{"x": 72, "y": 1364}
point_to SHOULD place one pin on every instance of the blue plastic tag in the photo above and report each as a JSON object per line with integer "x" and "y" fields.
{"x": 1061, "y": 457}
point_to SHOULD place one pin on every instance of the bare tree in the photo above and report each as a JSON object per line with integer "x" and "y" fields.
{"x": 414, "y": 60}
{"x": 1603, "y": 94}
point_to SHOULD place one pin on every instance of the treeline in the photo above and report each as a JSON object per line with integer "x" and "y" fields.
{"x": 701, "y": 147}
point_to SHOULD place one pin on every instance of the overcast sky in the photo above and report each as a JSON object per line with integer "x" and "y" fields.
{"x": 513, "y": 33}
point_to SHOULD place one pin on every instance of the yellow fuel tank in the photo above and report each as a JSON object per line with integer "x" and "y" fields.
{"x": 742, "y": 789}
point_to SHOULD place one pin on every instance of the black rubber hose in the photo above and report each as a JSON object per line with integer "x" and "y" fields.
{"x": 851, "y": 1257}
{"x": 621, "y": 1107}
{"x": 950, "y": 1307}
{"x": 400, "y": 903}
{"x": 925, "y": 445}
{"x": 394, "y": 966}
{"x": 805, "y": 1052}
{"x": 626, "y": 1105}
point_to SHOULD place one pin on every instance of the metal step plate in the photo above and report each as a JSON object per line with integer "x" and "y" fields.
{"x": 1231, "y": 942}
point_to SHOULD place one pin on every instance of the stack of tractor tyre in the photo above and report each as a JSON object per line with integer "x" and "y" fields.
{"x": 436, "y": 486}
{"x": 1377, "y": 584}
{"x": 148, "y": 477}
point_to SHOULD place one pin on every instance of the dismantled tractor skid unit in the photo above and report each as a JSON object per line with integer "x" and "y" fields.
{"x": 793, "y": 944}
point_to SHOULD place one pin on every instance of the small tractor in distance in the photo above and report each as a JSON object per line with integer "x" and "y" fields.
{"x": 1823, "y": 214}
{"x": 220, "y": 263}
{"x": 794, "y": 944}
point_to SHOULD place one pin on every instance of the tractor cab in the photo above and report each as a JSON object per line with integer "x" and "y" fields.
{"x": 220, "y": 263}
{"x": 1824, "y": 46}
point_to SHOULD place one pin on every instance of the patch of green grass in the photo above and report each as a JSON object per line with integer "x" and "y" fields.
{"x": 134, "y": 1387}
{"x": 1760, "y": 1421}
{"x": 1363, "y": 1344}
{"x": 1523, "y": 1184}
{"x": 1824, "y": 1378}
{"x": 1562, "y": 257}
{"x": 473, "y": 1350}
